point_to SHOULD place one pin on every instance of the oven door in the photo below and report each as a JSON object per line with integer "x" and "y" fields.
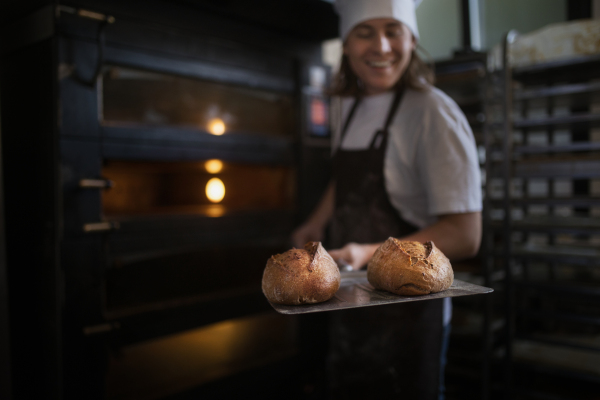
{"x": 187, "y": 235}
{"x": 190, "y": 187}
{"x": 182, "y": 173}
{"x": 176, "y": 191}
{"x": 168, "y": 228}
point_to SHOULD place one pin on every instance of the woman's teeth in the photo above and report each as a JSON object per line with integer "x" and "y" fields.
{"x": 380, "y": 64}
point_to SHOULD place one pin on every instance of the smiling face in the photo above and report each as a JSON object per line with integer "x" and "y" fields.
{"x": 379, "y": 52}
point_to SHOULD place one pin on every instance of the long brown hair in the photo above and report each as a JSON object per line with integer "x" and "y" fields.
{"x": 418, "y": 75}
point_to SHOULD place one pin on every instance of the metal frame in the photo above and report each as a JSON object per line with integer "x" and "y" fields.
{"x": 576, "y": 166}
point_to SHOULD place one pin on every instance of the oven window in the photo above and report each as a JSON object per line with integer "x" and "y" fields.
{"x": 212, "y": 188}
{"x": 137, "y": 97}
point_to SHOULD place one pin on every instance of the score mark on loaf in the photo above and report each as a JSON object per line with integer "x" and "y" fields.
{"x": 409, "y": 268}
{"x": 301, "y": 276}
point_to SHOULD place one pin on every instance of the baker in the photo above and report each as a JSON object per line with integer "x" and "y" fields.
{"x": 405, "y": 165}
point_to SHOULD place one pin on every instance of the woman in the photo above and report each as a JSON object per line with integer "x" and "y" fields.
{"x": 405, "y": 165}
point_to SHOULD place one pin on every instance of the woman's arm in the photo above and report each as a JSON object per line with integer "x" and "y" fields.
{"x": 314, "y": 227}
{"x": 458, "y": 236}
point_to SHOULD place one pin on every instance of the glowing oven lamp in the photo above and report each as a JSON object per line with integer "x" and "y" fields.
{"x": 215, "y": 190}
{"x": 216, "y": 126}
{"x": 213, "y": 166}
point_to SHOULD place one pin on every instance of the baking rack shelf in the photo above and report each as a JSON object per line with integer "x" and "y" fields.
{"x": 552, "y": 201}
{"x": 531, "y": 314}
{"x": 573, "y": 290}
{"x": 542, "y": 129}
{"x": 571, "y": 342}
{"x": 547, "y": 227}
{"x": 567, "y": 121}
{"x": 569, "y": 91}
{"x": 559, "y": 371}
{"x": 559, "y": 70}
{"x": 571, "y": 147}
{"x": 575, "y": 259}
{"x": 584, "y": 167}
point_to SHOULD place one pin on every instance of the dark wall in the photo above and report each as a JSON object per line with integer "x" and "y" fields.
{"x": 30, "y": 174}
{"x": 5, "y": 385}
{"x": 13, "y": 10}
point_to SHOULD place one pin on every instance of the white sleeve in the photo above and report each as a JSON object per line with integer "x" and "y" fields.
{"x": 447, "y": 162}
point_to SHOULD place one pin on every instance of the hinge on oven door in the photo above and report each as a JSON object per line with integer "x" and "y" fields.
{"x": 103, "y": 21}
{"x": 95, "y": 183}
{"x": 101, "y": 226}
{"x": 97, "y": 227}
{"x": 85, "y": 14}
{"x": 101, "y": 328}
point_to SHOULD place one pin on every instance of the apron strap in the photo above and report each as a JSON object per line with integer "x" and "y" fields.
{"x": 381, "y": 135}
{"x": 349, "y": 119}
{"x": 393, "y": 108}
{"x": 388, "y": 120}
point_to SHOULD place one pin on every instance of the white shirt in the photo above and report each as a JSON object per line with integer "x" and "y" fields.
{"x": 431, "y": 165}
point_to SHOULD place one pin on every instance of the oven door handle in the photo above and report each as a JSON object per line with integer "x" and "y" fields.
{"x": 87, "y": 183}
{"x": 103, "y": 226}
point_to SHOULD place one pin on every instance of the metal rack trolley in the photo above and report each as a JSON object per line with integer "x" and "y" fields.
{"x": 543, "y": 192}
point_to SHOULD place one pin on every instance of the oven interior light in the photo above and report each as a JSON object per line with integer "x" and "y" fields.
{"x": 213, "y": 166}
{"x": 215, "y": 190}
{"x": 215, "y": 210}
{"x": 216, "y": 126}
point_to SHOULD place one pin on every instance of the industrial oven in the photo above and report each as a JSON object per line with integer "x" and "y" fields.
{"x": 156, "y": 154}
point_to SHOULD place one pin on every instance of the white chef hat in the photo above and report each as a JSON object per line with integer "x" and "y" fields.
{"x": 353, "y": 12}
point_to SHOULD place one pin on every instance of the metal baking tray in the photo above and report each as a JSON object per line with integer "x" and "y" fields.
{"x": 356, "y": 291}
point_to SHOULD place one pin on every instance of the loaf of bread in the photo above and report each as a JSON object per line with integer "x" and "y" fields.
{"x": 409, "y": 268}
{"x": 301, "y": 276}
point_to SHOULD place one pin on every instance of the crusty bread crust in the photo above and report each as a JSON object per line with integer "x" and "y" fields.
{"x": 301, "y": 276}
{"x": 409, "y": 268}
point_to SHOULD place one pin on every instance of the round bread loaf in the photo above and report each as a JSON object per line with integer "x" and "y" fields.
{"x": 409, "y": 268}
{"x": 301, "y": 276}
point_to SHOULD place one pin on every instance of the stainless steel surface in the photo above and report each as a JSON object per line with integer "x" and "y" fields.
{"x": 356, "y": 291}
{"x": 343, "y": 265}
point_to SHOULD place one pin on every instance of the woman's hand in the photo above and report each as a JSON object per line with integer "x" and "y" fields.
{"x": 356, "y": 255}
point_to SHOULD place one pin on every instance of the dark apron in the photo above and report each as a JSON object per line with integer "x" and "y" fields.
{"x": 391, "y": 350}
